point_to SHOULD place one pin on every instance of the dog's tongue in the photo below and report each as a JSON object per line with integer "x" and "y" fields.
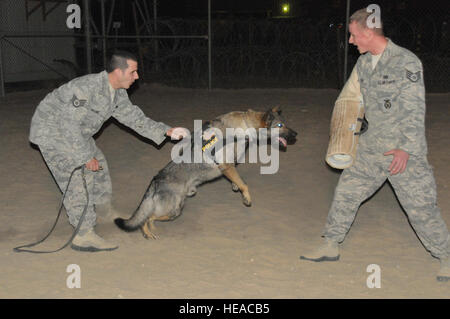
{"x": 282, "y": 141}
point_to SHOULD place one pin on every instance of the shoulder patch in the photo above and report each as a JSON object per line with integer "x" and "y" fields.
{"x": 76, "y": 102}
{"x": 413, "y": 76}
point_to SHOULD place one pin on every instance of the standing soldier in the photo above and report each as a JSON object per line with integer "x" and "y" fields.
{"x": 63, "y": 126}
{"x": 390, "y": 80}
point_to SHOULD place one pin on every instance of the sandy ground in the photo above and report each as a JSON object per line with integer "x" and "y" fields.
{"x": 217, "y": 248}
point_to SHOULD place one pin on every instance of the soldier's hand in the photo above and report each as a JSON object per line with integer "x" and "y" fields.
{"x": 93, "y": 165}
{"x": 177, "y": 133}
{"x": 399, "y": 162}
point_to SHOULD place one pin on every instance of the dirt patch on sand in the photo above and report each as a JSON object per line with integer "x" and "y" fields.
{"x": 217, "y": 248}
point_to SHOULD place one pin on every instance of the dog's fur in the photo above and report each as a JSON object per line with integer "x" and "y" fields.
{"x": 164, "y": 198}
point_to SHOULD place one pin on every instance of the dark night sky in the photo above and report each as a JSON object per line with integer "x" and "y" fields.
{"x": 186, "y": 8}
{"x": 327, "y": 11}
{"x": 307, "y": 9}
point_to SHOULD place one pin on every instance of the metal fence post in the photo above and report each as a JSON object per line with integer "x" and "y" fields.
{"x": 87, "y": 33}
{"x": 209, "y": 47}
{"x": 339, "y": 56}
{"x": 347, "y": 14}
{"x": 155, "y": 30}
{"x": 138, "y": 41}
{"x": 103, "y": 32}
{"x": 345, "y": 40}
{"x": 2, "y": 79}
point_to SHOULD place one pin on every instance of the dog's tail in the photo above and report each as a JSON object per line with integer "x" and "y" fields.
{"x": 141, "y": 214}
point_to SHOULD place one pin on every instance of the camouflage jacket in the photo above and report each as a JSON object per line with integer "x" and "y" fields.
{"x": 394, "y": 100}
{"x": 69, "y": 116}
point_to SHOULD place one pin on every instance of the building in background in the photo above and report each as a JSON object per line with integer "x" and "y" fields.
{"x": 36, "y": 57}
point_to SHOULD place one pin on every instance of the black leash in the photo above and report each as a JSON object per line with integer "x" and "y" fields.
{"x": 75, "y": 232}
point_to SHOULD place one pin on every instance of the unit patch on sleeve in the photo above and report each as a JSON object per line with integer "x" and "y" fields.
{"x": 76, "y": 102}
{"x": 413, "y": 76}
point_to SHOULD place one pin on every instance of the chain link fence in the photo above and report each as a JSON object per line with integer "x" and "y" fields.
{"x": 246, "y": 52}
{"x": 424, "y": 28}
{"x": 300, "y": 53}
{"x": 27, "y": 53}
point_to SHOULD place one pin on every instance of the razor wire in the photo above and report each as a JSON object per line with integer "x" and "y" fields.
{"x": 261, "y": 52}
{"x": 289, "y": 53}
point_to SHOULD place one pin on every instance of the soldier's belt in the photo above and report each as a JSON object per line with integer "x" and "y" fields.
{"x": 346, "y": 126}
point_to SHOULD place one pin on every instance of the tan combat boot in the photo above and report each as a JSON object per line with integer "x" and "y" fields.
{"x": 90, "y": 241}
{"x": 328, "y": 251}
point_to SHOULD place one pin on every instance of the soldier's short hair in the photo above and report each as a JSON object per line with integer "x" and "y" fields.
{"x": 361, "y": 16}
{"x": 119, "y": 59}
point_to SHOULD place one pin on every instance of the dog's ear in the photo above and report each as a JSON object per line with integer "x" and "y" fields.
{"x": 268, "y": 117}
{"x": 276, "y": 109}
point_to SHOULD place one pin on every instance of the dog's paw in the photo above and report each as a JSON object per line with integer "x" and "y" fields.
{"x": 151, "y": 236}
{"x": 247, "y": 202}
{"x": 234, "y": 187}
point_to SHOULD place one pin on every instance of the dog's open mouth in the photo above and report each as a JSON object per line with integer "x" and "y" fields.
{"x": 282, "y": 141}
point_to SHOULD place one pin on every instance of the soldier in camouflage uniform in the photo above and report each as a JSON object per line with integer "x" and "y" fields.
{"x": 63, "y": 126}
{"x": 390, "y": 80}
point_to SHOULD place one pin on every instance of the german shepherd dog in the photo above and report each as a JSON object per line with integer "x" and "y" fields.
{"x": 164, "y": 198}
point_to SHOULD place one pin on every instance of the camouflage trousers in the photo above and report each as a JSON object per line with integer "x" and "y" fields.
{"x": 98, "y": 185}
{"x": 415, "y": 188}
